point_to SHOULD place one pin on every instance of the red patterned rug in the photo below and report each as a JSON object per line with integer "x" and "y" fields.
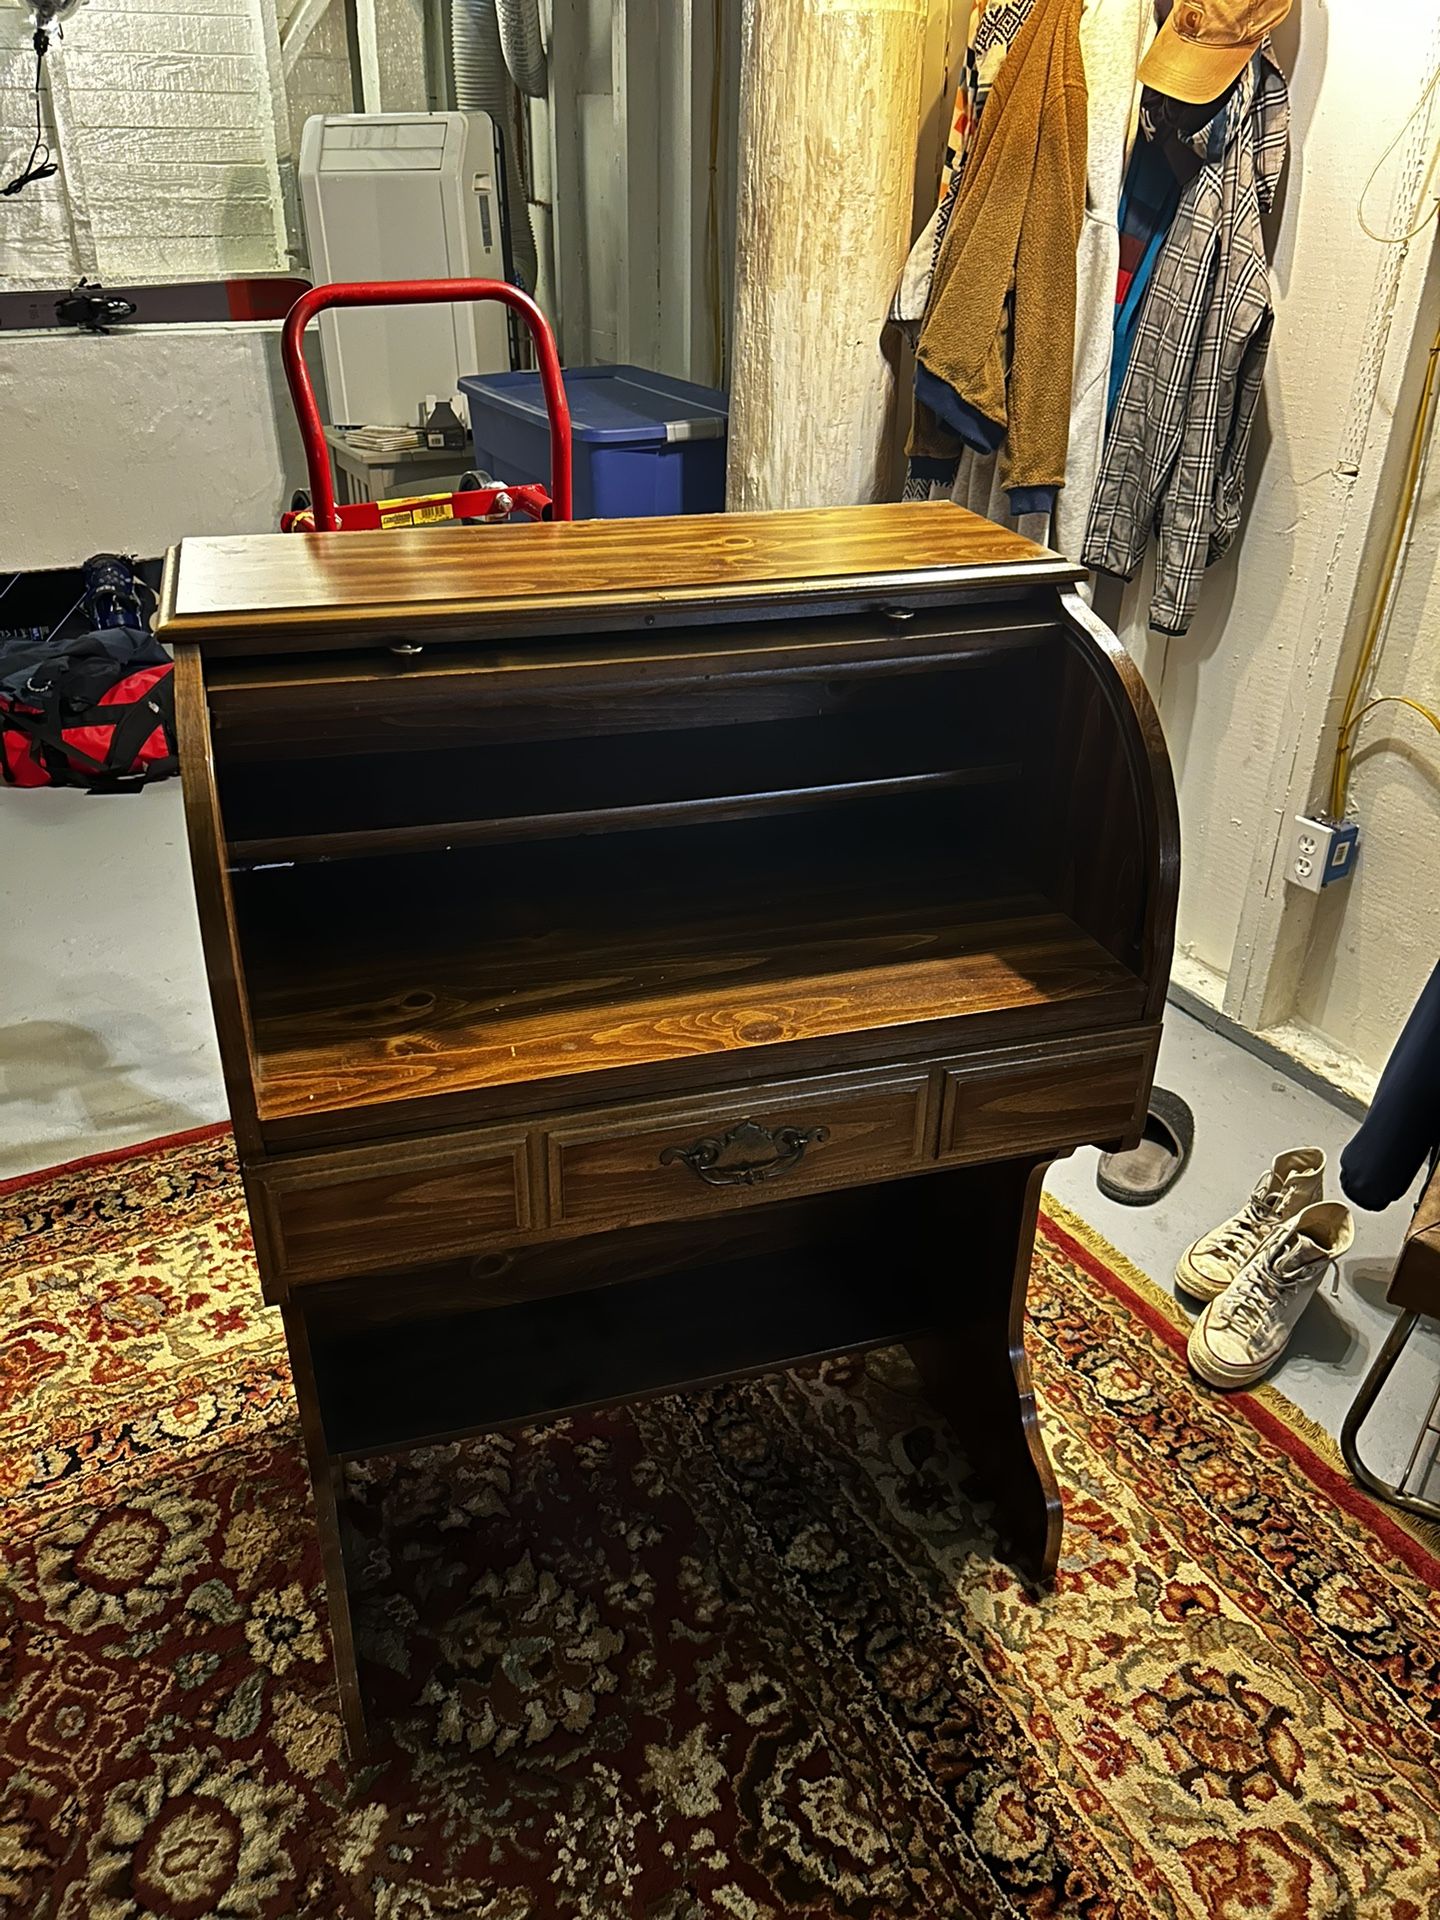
{"x": 740, "y": 1654}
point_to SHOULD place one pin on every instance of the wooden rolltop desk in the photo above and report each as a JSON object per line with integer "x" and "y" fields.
{"x": 645, "y": 952}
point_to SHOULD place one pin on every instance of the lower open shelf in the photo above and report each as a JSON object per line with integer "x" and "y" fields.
{"x": 459, "y": 1373}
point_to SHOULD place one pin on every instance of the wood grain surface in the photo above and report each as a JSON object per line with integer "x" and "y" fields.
{"x": 256, "y": 587}
{"x": 209, "y": 869}
{"x": 350, "y": 1210}
{"x": 606, "y": 958}
{"x": 1003, "y": 1110}
{"x": 609, "y": 1168}
{"x": 973, "y": 1361}
{"x": 386, "y": 1206}
{"x": 306, "y": 1071}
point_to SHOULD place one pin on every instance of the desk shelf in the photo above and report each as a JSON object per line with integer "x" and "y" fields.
{"x": 430, "y": 1380}
{"x": 584, "y": 959}
{"x": 405, "y": 802}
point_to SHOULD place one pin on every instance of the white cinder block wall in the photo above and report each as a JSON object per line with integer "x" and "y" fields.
{"x": 1250, "y": 696}
{"x": 176, "y": 121}
{"x": 167, "y": 137}
{"x": 128, "y": 441}
{"x": 1375, "y": 941}
{"x": 36, "y": 242}
{"x": 317, "y": 78}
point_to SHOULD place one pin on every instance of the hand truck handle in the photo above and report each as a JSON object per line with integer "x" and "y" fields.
{"x": 412, "y": 293}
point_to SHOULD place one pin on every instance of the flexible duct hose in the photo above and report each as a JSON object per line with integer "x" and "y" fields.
{"x": 482, "y": 82}
{"x": 523, "y": 43}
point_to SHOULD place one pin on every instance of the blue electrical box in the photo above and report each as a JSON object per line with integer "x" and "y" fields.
{"x": 1340, "y": 860}
{"x": 644, "y": 443}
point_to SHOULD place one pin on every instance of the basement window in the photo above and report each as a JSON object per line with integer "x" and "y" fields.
{"x": 174, "y": 127}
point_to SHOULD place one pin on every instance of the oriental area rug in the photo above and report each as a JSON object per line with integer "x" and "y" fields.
{"x": 740, "y": 1654}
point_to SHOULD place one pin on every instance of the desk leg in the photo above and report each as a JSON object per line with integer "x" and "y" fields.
{"x": 327, "y": 1487}
{"x": 974, "y": 1365}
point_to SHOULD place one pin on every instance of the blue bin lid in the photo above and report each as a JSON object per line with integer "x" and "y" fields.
{"x": 609, "y": 406}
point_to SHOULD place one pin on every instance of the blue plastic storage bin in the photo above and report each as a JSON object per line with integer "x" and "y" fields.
{"x": 644, "y": 442}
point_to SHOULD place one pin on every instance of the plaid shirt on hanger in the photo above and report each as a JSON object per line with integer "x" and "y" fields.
{"x": 1175, "y": 452}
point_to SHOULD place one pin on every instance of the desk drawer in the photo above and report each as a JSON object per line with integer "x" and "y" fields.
{"x": 354, "y": 1212}
{"x": 659, "y": 1163}
{"x": 1061, "y": 1099}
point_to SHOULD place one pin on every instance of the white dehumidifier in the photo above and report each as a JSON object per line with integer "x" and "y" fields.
{"x": 404, "y": 196}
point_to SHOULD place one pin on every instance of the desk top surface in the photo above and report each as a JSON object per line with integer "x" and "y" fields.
{"x": 274, "y": 586}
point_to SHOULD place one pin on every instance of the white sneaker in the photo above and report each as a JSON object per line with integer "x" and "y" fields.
{"x": 1243, "y": 1332}
{"x": 1292, "y": 1181}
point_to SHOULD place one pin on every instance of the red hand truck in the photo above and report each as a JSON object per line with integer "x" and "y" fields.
{"x": 491, "y": 502}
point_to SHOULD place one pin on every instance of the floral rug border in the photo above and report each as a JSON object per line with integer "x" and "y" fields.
{"x": 1265, "y": 1408}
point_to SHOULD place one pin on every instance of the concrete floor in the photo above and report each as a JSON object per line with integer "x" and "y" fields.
{"x": 105, "y": 1029}
{"x": 106, "y": 1038}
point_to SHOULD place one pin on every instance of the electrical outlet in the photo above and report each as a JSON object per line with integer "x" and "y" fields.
{"x": 1321, "y": 853}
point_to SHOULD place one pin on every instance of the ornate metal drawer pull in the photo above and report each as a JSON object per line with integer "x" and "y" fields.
{"x": 747, "y": 1154}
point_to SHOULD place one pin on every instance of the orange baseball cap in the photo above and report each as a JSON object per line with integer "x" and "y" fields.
{"x": 1205, "y": 45}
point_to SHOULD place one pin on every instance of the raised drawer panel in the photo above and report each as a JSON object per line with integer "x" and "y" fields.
{"x": 356, "y": 1212}
{"x": 1051, "y": 1100}
{"x": 705, "y": 1157}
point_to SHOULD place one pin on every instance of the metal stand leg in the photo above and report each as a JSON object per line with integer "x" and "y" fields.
{"x": 1380, "y": 1371}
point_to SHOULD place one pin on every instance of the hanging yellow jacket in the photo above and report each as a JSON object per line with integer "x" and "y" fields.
{"x": 996, "y": 345}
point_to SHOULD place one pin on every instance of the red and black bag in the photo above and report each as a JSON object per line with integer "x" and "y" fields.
{"x": 95, "y": 711}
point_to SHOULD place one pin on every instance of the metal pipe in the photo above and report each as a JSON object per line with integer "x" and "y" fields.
{"x": 523, "y": 44}
{"x": 482, "y": 80}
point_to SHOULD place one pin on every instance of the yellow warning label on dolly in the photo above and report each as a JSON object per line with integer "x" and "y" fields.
{"x": 419, "y": 514}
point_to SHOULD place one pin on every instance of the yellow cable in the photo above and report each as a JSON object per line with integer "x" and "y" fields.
{"x": 1397, "y": 700}
{"x": 1403, "y": 239}
{"x": 1349, "y": 718}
